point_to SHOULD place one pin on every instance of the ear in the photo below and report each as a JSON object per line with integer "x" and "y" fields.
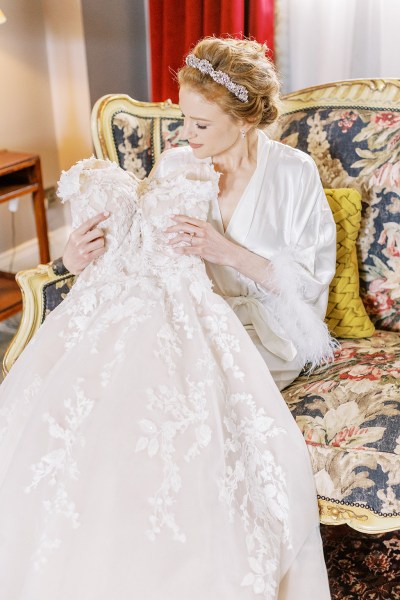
{"x": 245, "y": 125}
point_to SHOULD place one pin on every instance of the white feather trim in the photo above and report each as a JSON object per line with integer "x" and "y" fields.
{"x": 296, "y": 316}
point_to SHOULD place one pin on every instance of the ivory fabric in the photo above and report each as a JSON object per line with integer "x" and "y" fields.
{"x": 283, "y": 215}
{"x": 145, "y": 449}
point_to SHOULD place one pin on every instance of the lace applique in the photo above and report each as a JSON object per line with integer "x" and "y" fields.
{"x": 254, "y": 488}
{"x": 182, "y": 411}
{"x": 215, "y": 322}
{"x": 58, "y": 465}
{"x": 8, "y": 410}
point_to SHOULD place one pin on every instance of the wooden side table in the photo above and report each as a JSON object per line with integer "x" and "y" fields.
{"x": 20, "y": 174}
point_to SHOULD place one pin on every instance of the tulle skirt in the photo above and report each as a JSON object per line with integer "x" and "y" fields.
{"x": 147, "y": 453}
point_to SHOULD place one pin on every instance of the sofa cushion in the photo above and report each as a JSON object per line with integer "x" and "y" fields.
{"x": 360, "y": 148}
{"x": 346, "y": 315}
{"x": 349, "y": 413}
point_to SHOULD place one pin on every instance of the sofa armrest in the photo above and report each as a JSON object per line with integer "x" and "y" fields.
{"x": 43, "y": 288}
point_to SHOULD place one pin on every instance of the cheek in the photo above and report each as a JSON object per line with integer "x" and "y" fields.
{"x": 219, "y": 138}
{"x": 223, "y": 140}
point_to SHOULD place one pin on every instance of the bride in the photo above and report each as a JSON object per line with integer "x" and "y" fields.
{"x": 145, "y": 450}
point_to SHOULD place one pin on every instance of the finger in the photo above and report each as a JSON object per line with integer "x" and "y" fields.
{"x": 96, "y": 253}
{"x": 92, "y": 222}
{"x": 177, "y": 239}
{"x": 188, "y": 250}
{"x": 93, "y": 234}
{"x": 186, "y": 241}
{"x": 188, "y": 229}
{"x": 95, "y": 245}
{"x": 86, "y": 249}
{"x": 186, "y": 219}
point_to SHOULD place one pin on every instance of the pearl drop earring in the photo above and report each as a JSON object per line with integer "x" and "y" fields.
{"x": 243, "y": 133}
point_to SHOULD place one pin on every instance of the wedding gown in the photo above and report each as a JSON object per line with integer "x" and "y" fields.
{"x": 145, "y": 451}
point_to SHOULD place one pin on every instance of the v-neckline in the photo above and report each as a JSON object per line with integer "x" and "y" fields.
{"x": 225, "y": 230}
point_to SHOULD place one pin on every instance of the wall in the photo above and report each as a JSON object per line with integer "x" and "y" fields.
{"x": 116, "y": 47}
{"x": 44, "y": 108}
{"x": 68, "y": 78}
{"x": 26, "y": 113}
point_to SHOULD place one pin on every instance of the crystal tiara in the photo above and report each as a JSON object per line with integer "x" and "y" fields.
{"x": 204, "y": 66}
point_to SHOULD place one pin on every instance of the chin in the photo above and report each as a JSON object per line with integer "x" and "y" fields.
{"x": 201, "y": 152}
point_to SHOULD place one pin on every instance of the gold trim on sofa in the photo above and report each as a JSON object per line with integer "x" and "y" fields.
{"x": 32, "y": 283}
{"x": 357, "y": 517}
{"x": 367, "y": 93}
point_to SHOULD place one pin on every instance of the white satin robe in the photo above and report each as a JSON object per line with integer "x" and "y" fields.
{"x": 283, "y": 216}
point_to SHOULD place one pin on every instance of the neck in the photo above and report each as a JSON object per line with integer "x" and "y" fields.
{"x": 242, "y": 152}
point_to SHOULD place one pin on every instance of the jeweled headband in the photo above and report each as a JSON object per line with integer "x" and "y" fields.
{"x": 203, "y": 65}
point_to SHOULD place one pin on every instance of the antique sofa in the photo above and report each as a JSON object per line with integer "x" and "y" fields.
{"x": 348, "y": 411}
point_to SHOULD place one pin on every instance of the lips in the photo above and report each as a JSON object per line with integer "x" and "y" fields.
{"x": 194, "y": 146}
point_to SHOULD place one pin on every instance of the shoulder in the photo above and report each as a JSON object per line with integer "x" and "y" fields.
{"x": 288, "y": 153}
{"x": 287, "y": 162}
{"x": 173, "y": 159}
{"x": 292, "y": 178}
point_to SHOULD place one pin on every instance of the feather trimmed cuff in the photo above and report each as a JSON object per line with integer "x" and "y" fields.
{"x": 295, "y": 315}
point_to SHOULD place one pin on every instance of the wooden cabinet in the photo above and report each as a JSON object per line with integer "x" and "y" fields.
{"x": 20, "y": 174}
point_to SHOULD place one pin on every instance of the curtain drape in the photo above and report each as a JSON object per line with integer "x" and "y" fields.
{"x": 317, "y": 42}
{"x": 176, "y": 25}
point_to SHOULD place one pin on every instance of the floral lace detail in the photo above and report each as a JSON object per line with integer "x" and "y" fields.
{"x": 183, "y": 411}
{"x": 9, "y": 409}
{"x": 254, "y": 487}
{"x": 58, "y": 465}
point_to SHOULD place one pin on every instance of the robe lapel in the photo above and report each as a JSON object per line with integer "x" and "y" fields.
{"x": 241, "y": 220}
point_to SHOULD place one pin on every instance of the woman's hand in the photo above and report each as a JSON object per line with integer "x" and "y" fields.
{"x": 202, "y": 239}
{"x": 85, "y": 244}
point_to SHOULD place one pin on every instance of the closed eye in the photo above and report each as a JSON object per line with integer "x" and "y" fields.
{"x": 201, "y": 126}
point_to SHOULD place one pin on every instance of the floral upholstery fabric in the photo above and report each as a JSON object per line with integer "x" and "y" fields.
{"x": 56, "y": 290}
{"x": 170, "y": 133}
{"x": 134, "y": 140}
{"x": 349, "y": 413}
{"x": 360, "y": 149}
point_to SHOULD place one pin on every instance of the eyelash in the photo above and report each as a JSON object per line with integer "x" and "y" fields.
{"x": 197, "y": 124}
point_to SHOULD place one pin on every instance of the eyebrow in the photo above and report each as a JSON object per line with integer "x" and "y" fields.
{"x": 196, "y": 118}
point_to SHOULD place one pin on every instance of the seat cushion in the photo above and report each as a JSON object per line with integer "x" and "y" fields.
{"x": 349, "y": 413}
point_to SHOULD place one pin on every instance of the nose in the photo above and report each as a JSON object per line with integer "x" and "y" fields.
{"x": 188, "y": 130}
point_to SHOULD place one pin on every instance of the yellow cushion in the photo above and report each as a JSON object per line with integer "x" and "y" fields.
{"x": 346, "y": 316}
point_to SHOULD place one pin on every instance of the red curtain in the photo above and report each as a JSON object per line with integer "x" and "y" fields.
{"x": 176, "y": 25}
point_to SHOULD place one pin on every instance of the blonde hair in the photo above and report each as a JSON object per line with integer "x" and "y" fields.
{"x": 246, "y": 63}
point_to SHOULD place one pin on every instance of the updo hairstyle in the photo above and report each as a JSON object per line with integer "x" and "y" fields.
{"x": 246, "y": 63}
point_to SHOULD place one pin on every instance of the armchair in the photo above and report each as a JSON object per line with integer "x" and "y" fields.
{"x": 348, "y": 411}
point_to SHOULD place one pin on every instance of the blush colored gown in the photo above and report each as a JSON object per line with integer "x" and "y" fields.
{"x": 145, "y": 451}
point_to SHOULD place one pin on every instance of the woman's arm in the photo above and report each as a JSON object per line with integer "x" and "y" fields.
{"x": 293, "y": 282}
{"x": 309, "y": 257}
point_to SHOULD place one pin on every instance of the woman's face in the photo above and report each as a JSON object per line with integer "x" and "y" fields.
{"x": 209, "y": 131}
